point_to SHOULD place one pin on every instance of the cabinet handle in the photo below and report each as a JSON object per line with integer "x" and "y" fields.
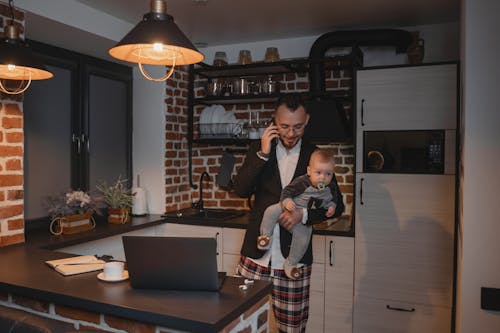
{"x": 217, "y": 240}
{"x": 399, "y": 309}
{"x": 363, "y": 112}
{"x": 76, "y": 139}
{"x": 361, "y": 202}
{"x": 85, "y": 139}
{"x": 330, "y": 253}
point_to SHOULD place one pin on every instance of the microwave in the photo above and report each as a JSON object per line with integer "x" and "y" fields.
{"x": 408, "y": 151}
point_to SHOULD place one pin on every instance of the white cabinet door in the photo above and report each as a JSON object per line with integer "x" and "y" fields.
{"x": 186, "y": 230}
{"x": 339, "y": 272}
{"x": 232, "y": 241}
{"x": 410, "y": 98}
{"x": 315, "y": 323}
{"x": 404, "y": 237}
{"x": 317, "y": 290}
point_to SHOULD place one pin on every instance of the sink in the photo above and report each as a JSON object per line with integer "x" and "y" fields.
{"x": 206, "y": 214}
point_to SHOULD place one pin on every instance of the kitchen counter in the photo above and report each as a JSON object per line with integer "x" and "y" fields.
{"x": 23, "y": 272}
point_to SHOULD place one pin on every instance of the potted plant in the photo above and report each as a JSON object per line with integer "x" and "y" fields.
{"x": 71, "y": 212}
{"x": 119, "y": 199}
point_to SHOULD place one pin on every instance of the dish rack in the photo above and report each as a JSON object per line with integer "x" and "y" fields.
{"x": 221, "y": 130}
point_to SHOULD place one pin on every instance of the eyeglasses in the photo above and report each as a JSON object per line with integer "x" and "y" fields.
{"x": 295, "y": 129}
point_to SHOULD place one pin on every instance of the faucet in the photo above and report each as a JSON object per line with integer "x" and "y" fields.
{"x": 200, "y": 202}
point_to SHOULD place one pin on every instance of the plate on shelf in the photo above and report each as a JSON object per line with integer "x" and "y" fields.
{"x": 206, "y": 115}
{"x": 218, "y": 113}
{"x": 124, "y": 277}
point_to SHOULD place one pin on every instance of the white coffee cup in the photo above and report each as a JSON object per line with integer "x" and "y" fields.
{"x": 113, "y": 270}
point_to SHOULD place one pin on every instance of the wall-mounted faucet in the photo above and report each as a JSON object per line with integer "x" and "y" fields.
{"x": 200, "y": 202}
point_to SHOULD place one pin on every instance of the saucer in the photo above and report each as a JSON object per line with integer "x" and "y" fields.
{"x": 124, "y": 276}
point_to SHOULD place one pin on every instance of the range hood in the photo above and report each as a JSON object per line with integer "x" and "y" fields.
{"x": 329, "y": 121}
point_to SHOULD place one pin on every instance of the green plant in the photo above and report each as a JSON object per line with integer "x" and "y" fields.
{"x": 116, "y": 195}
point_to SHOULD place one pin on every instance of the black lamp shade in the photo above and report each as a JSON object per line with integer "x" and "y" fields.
{"x": 14, "y": 52}
{"x": 157, "y": 28}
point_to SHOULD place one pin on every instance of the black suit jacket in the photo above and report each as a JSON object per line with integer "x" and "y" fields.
{"x": 262, "y": 179}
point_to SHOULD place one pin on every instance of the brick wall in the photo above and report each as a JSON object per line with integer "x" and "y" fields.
{"x": 255, "y": 319}
{"x": 179, "y": 194}
{"x": 11, "y": 156}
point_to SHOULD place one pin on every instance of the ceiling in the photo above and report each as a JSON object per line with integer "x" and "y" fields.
{"x": 220, "y": 22}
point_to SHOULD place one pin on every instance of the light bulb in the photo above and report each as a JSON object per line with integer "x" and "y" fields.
{"x": 11, "y": 67}
{"x": 158, "y": 47}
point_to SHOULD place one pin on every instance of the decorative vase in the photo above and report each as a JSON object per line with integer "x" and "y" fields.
{"x": 72, "y": 224}
{"x": 416, "y": 49}
{"x": 118, "y": 215}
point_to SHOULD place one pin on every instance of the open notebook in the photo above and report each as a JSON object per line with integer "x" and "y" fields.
{"x": 76, "y": 265}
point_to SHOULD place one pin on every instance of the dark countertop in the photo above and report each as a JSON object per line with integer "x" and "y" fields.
{"x": 23, "y": 271}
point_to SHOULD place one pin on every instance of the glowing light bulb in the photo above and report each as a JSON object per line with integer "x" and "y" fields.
{"x": 158, "y": 47}
{"x": 11, "y": 67}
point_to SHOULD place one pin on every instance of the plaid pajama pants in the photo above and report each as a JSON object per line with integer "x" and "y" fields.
{"x": 290, "y": 298}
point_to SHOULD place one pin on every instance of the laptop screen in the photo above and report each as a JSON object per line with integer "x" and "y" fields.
{"x": 172, "y": 263}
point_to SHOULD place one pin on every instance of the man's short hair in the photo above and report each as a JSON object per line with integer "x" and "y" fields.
{"x": 292, "y": 101}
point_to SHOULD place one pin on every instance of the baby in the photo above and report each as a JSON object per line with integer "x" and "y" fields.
{"x": 307, "y": 191}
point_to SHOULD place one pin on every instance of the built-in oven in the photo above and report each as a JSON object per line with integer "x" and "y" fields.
{"x": 409, "y": 151}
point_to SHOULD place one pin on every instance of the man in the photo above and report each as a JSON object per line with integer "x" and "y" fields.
{"x": 270, "y": 165}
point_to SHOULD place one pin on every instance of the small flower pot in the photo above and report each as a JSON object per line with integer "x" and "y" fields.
{"x": 72, "y": 224}
{"x": 118, "y": 215}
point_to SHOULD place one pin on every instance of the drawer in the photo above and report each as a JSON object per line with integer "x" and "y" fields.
{"x": 374, "y": 316}
{"x": 409, "y": 272}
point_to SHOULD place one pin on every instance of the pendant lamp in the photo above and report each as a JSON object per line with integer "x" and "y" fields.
{"x": 157, "y": 40}
{"x": 17, "y": 61}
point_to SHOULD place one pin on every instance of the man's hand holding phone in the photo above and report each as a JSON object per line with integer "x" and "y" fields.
{"x": 270, "y": 133}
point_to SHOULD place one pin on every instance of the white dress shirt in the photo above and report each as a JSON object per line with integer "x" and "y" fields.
{"x": 287, "y": 163}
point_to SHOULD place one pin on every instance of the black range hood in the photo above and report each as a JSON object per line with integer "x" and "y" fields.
{"x": 329, "y": 121}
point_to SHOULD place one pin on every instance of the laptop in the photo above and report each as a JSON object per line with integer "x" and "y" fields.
{"x": 172, "y": 263}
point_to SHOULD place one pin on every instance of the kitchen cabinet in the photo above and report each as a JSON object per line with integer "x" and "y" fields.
{"x": 331, "y": 293}
{"x": 315, "y": 323}
{"x": 232, "y": 240}
{"x": 404, "y": 253}
{"x": 421, "y": 97}
{"x": 405, "y": 223}
{"x": 78, "y": 126}
{"x": 408, "y": 98}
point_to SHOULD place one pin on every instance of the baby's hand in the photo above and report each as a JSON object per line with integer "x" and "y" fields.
{"x": 289, "y": 205}
{"x": 330, "y": 211}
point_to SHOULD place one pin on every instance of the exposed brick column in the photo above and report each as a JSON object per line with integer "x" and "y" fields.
{"x": 11, "y": 155}
{"x": 177, "y": 188}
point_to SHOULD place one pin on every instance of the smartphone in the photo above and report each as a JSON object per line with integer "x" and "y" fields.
{"x": 275, "y": 140}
